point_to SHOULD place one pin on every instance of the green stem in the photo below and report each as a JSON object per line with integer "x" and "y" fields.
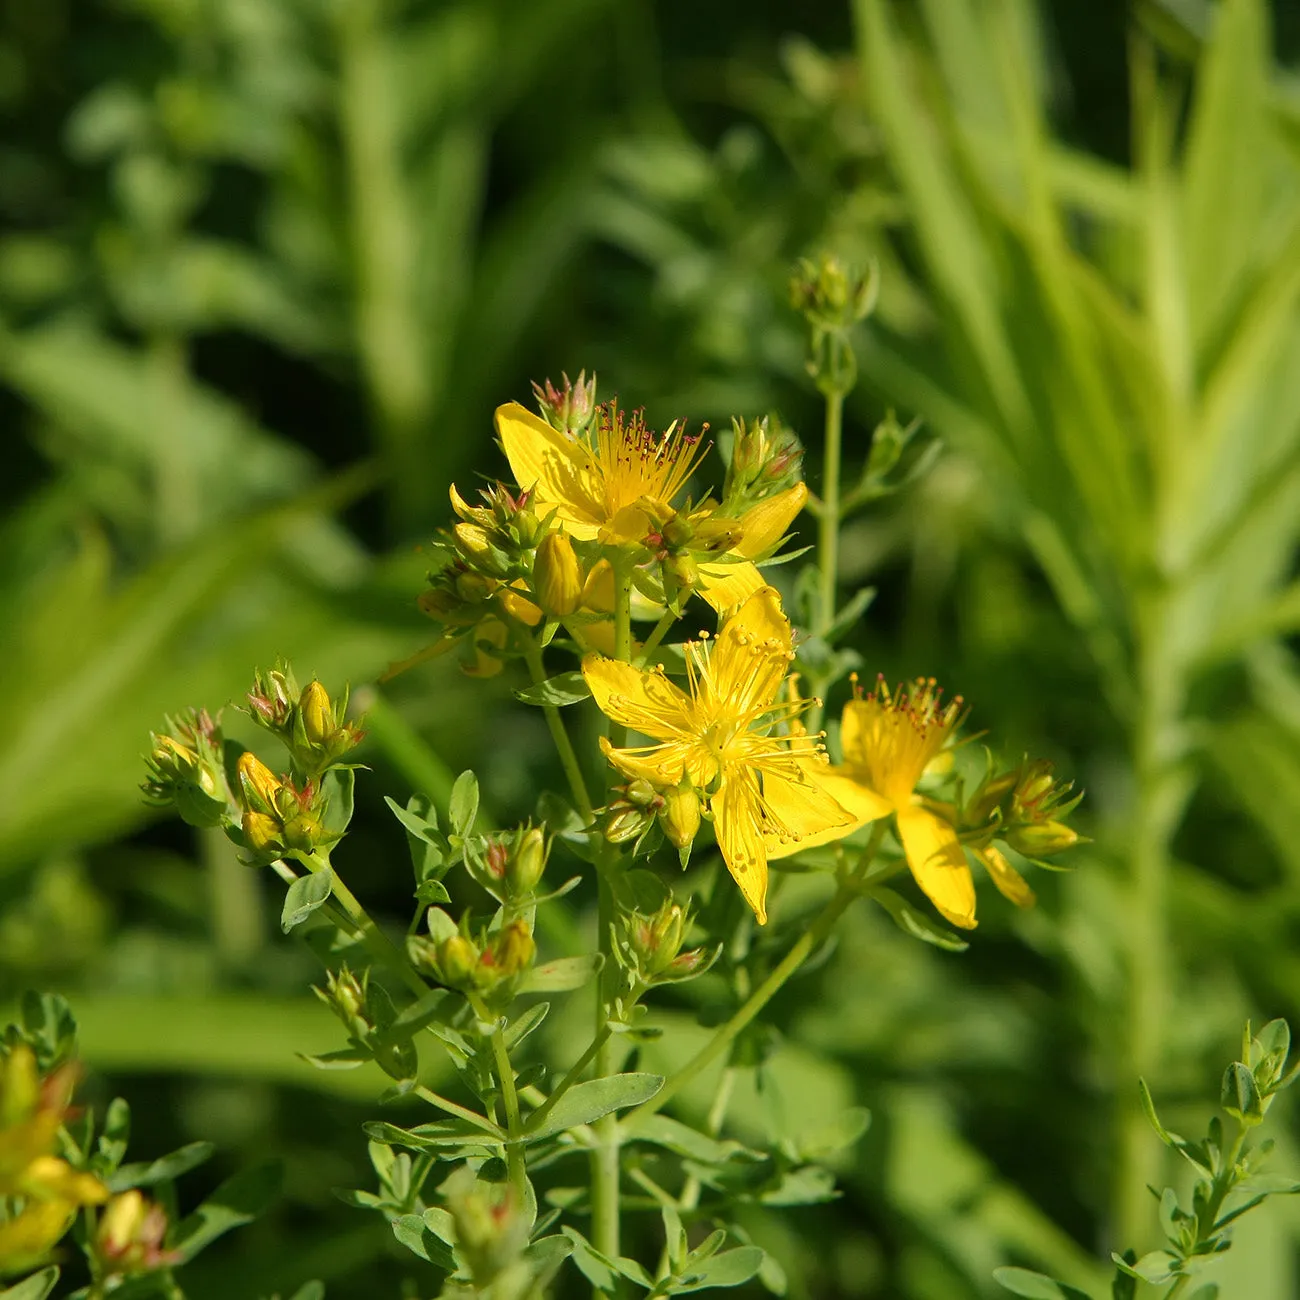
{"x": 605, "y": 1156}
{"x": 564, "y": 746}
{"x": 514, "y": 1129}
{"x": 461, "y": 1112}
{"x": 808, "y": 943}
{"x": 575, "y": 1073}
{"x": 655, "y": 637}
{"x": 381, "y": 947}
{"x": 828, "y": 525}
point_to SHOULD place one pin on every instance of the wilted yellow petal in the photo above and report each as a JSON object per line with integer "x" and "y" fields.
{"x": 737, "y": 822}
{"x": 763, "y": 525}
{"x": 938, "y": 862}
{"x": 645, "y": 701}
{"x": 556, "y": 469}
{"x": 1011, "y": 884}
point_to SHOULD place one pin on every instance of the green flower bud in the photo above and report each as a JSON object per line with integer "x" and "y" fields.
{"x": 524, "y": 871}
{"x": 514, "y": 949}
{"x": 263, "y": 834}
{"x": 681, "y": 816}
{"x": 1039, "y": 839}
{"x": 257, "y": 783}
{"x": 569, "y": 408}
{"x": 457, "y": 961}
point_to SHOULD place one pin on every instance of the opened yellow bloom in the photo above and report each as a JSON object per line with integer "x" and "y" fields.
{"x": 889, "y": 739}
{"x": 723, "y": 738}
{"x": 621, "y": 486}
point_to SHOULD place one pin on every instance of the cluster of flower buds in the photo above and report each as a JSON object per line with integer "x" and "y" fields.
{"x": 1025, "y": 808}
{"x": 278, "y": 816}
{"x": 649, "y": 947}
{"x": 831, "y": 295}
{"x": 680, "y": 539}
{"x": 313, "y": 727}
{"x": 569, "y": 408}
{"x": 130, "y": 1236}
{"x": 346, "y": 996}
{"x": 511, "y": 866}
{"x": 766, "y": 458}
{"x": 491, "y": 1233}
{"x": 487, "y": 967}
{"x": 636, "y": 806}
{"x": 186, "y": 770}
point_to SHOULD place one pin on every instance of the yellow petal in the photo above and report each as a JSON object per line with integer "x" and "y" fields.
{"x": 1011, "y": 884}
{"x": 752, "y": 653}
{"x": 737, "y": 824}
{"x": 765, "y": 524}
{"x": 661, "y": 765}
{"x": 724, "y": 585}
{"x": 802, "y": 806}
{"x": 935, "y": 855}
{"x": 558, "y": 470}
{"x": 855, "y": 730}
{"x": 647, "y": 702}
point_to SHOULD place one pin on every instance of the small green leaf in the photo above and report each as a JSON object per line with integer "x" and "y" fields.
{"x": 419, "y": 817}
{"x": 413, "y": 1233}
{"x": 566, "y": 688}
{"x": 730, "y": 1268}
{"x": 432, "y": 892}
{"x": 160, "y": 1170}
{"x": 36, "y": 1287}
{"x": 850, "y": 613}
{"x": 337, "y": 786}
{"x": 834, "y": 1137}
{"x": 915, "y": 922}
{"x": 585, "y": 1102}
{"x": 519, "y": 1029}
{"x": 1035, "y": 1286}
{"x": 1155, "y": 1266}
{"x": 1239, "y": 1095}
{"x": 309, "y": 1291}
{"x": 663, "y": 1131}
{"x": 599, "y": 1269}
{"x": 304, "y": 896}
{"x": 463, "y": 806}
{"x": 562, "y": 975}
{"x": 237, "y": 1201}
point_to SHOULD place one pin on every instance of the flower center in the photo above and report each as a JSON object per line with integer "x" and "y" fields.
{"x": 635, "y": 463}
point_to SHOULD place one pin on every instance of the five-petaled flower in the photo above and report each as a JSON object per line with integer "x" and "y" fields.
{"x": 620, "y": 487}
{"x": 729, "y": 736}
{"x": 889, "y": 739}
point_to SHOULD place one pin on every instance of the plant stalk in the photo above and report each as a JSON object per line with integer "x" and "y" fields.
{"x": 559, "y": 734}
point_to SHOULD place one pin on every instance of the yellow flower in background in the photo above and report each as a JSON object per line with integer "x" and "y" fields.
{"x": 719, "y": 737}
{"x": 32, "y": 1111}
{"x": 621, "y": 488}
{"x": 889, "y": 739}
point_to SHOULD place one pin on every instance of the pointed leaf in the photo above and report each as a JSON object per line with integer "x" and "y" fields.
{"x": 585, "y": 1102}
{"x": 304, "y": 896}
{"x": 566, "y": 688}
{"x": 1035, "y": 1286}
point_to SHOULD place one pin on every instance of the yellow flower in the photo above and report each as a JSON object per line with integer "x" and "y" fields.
{"x": 721, "y": 739}
{"x": 32, "y": 1111}
{"x": 889, "y": 740}
{"x": 620, "y": 488}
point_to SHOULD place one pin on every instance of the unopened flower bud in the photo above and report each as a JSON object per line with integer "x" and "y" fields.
{"x": 519, "y": 607}
{"x": 345, "y": 995}
{"x": 986, "y": 801}
{"x": 570, "y": 407}
{"x": 263, "y": 834}
{"x": 258, "y": 784}
{"x": 317, "y": 714}
{"x": 681, "y": 816}
{"x": 528, "y": 862}
{"x": 626, "y": 824}
{"x": 682, "y": 569}
{"x": 1038, "y": 839}
{"x": 130, "y": 1235}
{"x": 514, "y": 949}
{"x": 557, "y": 576}
{"x": 654, "y": 941}
{"x": 457, "y": 959}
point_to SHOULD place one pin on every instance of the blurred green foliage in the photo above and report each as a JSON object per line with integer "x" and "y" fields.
{"x": 266, "y": 266}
